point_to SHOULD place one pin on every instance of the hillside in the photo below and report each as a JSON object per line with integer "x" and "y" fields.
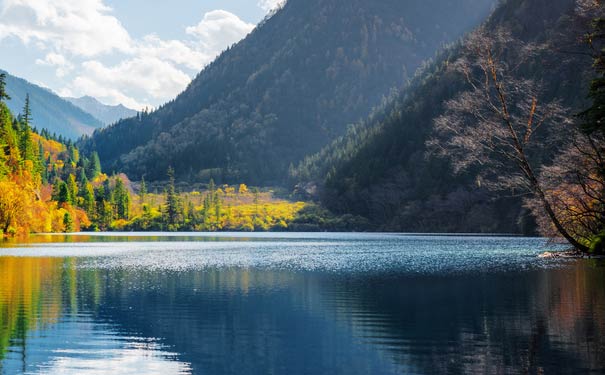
{"x": 383, "y": 170}
{"x": 287, "y": 90}
{"x": 49, "y": 111}
{"x": 108, "y": 114}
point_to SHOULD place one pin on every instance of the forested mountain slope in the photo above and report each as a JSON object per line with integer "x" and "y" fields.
{"x": 49, "y": 111}
{"x": 108, "y": 114}
{"x": 382, "y": 168}
{"x": 288, "y": 89}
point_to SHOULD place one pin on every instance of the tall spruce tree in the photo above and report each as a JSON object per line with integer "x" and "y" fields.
{"x": 3, "y": 94}
{"x": 25, "y": 139}
{"x": 172, "y": 202}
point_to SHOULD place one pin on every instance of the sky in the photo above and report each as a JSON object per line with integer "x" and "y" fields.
{"x": 139, "y": 53}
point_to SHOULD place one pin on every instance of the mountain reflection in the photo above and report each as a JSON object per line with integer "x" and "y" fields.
{"x": 56, "y": 317}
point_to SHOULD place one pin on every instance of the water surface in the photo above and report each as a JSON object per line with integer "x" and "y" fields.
{"x": 297, "y": 304}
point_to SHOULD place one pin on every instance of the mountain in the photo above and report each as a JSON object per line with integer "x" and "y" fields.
{"x": 382, "y": 169}
{"x": 286, "y": 90}
{"x": 49, "y": 111}
{"x": 108, "y": 114}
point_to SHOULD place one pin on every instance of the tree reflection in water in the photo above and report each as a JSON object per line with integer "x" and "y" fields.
{"x": 55, "y": 315}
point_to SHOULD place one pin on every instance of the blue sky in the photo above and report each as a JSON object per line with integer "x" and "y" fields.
{"x": 134, "y": 52}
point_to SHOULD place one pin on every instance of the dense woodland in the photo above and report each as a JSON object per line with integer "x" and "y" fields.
{"x": 285, "y": 91}
{"x": 500, "y": 133}
{"x": 46, "y": 185}
{"x": 384, "y": 168}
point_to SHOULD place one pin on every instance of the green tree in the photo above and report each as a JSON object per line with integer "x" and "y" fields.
{"x": 25, "y": 140}
{"x": 103, "y": 209}
{"x": 63, "y": 196}
{"x": 94, "y": 166}
{"x": 87, "y": 196}
{"x": 3, "y": 93}
{"x": 143, "y": 190}
{"x": 72, "y": 186}
{"x": 68, "y": 222}
{"x": 121, "y": 200}
{"x": 173, "y": 210}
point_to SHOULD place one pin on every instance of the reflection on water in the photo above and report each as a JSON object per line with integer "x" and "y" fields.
{"x": 104, "y": 314}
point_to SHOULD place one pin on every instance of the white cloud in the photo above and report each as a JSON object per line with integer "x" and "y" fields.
{"x": 146, "y": 79}
{"x": 63, "y": 67}
{"x": 79, "y": 27}
{"x": 219, "y": 29}
{"x": 174, "y": 51}
{"x": 268, "y": 5}
{"x": 95, "y": 55}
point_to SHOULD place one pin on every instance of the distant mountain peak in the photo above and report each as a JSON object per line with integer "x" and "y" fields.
{"x": 108, "y": 114}
{"x": 50, "y": 111}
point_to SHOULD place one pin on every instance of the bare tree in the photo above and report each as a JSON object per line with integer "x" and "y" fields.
{"x": 575, "y": 188}
{"x": 501, "y": 123}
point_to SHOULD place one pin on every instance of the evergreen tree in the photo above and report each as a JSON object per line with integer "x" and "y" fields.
{"x": 172, "y": 202}
{"x": 68, "y": 222}
{"x": 25, "y": 140}
{"x": 82, "y": 180}
{"x": 121, "y": 200}
{"x": 88, "y": 198}
{"x": 94, "y": 167}
{"x": 3, "y": 93}
{"x": 72, "y": 186}
{"x": 107, "y": 190}
{"x": 143, "y": 190}
{"x": 63, "y": 195}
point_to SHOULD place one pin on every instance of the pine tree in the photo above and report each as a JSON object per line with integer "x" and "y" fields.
{"x": 68, "y": 222}
{"x": 63, "y": 197}
{"x": 25, "y": 140}
{"x": 3, "y": 93}
{"x": 72, "y": 187}
{"x": 94, "y": 167}
{"x": 88, "y": 198}
{"x": 174, "y": 210}
{"x": 121, "y": 200}
{"x": 82, "y": 180}
{"x": 143, "y": 190}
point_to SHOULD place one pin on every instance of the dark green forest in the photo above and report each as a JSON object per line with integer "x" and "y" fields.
{"x": 383, "y": 170}
{"x": 287, "y": 90}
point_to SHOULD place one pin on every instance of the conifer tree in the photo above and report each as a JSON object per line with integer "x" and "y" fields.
{"x": 143, "y": 190}
{"x": 172, "y": 201}
{"x": 68, "y": 222}
{"x": 94, "y": 167}
{"x": 121, "y": 200}
{"x": 3, "y": 94}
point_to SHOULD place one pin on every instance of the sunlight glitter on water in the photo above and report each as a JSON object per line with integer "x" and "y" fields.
{"x": 305, "y": 252}
{"x": 296, "y": 304}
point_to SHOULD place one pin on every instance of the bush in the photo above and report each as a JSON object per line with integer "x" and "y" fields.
{"x": 597, "y": 245}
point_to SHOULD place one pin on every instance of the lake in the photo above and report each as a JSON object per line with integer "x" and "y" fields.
{"x": 297, "y": 304}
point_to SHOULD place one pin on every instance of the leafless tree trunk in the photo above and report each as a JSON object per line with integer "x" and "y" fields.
{"x": 575, "y": 187}
{"x": 501, "y": 123}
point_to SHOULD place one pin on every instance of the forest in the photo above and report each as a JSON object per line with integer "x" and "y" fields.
{"x": 289, "y": 88}
{"x": 46, "y": 186}
{"x": 499, "y": 133}
{"x": 408, "y": 167}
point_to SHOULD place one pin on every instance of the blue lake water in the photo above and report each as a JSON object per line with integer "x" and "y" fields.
{"x": 297, "y": 304}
